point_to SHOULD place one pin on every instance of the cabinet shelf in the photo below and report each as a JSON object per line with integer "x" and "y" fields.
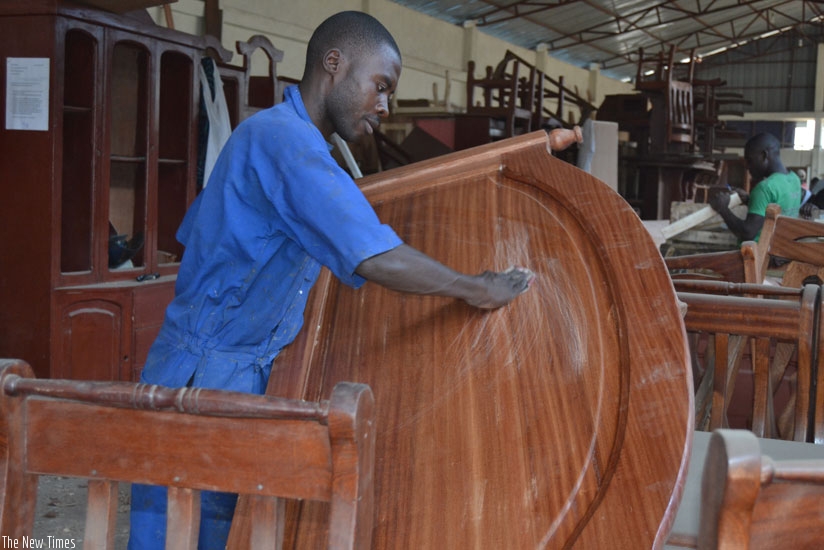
{"x": 126, "y": 158}
{"x": 77, "y": 109}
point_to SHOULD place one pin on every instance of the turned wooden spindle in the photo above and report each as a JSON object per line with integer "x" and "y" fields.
{"x": 561, "y": 138}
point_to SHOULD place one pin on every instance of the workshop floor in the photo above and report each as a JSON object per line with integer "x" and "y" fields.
{"x": 61, "y": 512}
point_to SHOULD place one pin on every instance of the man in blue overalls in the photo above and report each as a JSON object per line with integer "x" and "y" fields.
{"x": 277, "y": 207}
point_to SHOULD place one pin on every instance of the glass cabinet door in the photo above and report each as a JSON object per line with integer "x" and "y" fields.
{"x": 128, "y": 103}
{"x": 174, "y": 171}
{"x": 77, "y": 179}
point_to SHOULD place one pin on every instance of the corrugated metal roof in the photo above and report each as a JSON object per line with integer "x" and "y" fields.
{"x": 610, "y": 32}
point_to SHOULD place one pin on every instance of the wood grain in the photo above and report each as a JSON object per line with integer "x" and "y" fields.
{"x": 88, "y": 430}
{"x": 751, "y": 500}
{"x": 562, "y": 419}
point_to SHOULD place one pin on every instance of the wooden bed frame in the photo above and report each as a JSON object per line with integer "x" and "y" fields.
{"x": 564, "y": 419}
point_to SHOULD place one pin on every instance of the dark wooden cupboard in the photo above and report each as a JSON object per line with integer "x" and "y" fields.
{"x": 114, "y": 167}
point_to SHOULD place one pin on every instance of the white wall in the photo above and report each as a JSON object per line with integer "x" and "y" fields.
{"x": 429, "y": 47}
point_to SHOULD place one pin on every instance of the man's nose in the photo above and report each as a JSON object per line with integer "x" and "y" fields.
{"x": 383, "y": 107}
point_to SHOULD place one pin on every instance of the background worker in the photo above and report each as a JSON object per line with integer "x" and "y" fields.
{"x": 277, "y": 207}
{"x": 773, "y": 183}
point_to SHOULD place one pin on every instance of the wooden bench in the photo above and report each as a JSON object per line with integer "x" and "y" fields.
{"x": 776, "y": 332}
{"x": 189, "y": 440}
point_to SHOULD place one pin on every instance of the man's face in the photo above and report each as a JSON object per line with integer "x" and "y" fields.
{"x": 756, "y": 160}
{"x": 358, "y": 102}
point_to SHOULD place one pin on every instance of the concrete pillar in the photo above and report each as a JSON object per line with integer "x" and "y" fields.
{"x": 542, "y": 57}
{"x": 817, "y": 167}
{"x": 818, "y": 104}
{"x": 470, "y": 41}
{"x": 594, "y": 74}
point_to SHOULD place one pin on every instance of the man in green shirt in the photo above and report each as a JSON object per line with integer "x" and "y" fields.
{"x": 773, "y": 184}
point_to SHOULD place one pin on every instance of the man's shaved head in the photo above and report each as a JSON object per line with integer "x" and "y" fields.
{"x": 763, "y": 142}
{"x": 762, "y": 153}
{"x": 354, "y": 33}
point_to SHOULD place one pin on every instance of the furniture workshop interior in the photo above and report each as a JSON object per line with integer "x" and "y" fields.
{"x": 532, "y": 426}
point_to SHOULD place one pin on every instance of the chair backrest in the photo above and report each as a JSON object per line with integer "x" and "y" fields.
{"x": 802, "y": 242}
{"x": 748, "y": 264}
{"x": 749, "y": 500}
{"x": 799, "y": 241}
{"x": 680, "y": 112}
{"x": 778, "y": 335}
{"x": 502, "y": 92}
{"x": 245, "y": 93}
{"x": 189, "y": 440}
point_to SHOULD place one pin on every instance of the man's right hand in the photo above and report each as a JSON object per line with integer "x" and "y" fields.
{"x": 405, "y": 269}
{"x": 501, "y": 288}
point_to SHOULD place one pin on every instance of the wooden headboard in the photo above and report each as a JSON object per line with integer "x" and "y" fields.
{"x": 562, "y": 419}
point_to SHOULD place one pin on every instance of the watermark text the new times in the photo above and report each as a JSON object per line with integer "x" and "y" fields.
{"x": 41, "y": 542}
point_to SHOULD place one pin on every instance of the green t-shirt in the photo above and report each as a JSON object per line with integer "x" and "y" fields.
{"x": 781, "y": 189}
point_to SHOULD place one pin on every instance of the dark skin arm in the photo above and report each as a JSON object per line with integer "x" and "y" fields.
{"x": 745, "y": 229}
{"x": 405, "y": 269}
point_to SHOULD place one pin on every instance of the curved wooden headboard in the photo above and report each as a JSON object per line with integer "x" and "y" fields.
{"x": 562, "y": 419}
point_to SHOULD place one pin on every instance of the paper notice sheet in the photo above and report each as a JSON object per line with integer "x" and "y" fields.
{"x": 27, "y": 93}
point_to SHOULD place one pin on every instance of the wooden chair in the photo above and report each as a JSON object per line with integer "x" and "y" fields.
{"x": 651, "y": 70}
{"x": 500, "y": 99}
{"x": 673, "y": 113}
{"x": 749, "y": 500}
{"x": 189, "y": 440}
{"x": 778, "y": 332}
{"x": 245, "y": 93}
{"x": 545, "y": 96}
{"x": 710, "y": 104}
{"x": 680, "y": 112}
{"x": 793, "y": 240}
{"x": 796, "y": 242}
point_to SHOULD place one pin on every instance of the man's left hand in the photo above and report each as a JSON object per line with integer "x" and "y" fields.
{"x": 720, "y": 200}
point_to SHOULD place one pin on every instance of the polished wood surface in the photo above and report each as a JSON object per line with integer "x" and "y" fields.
{"x": 563, "y": 419}
{"x": 688, "y": 520}
{"x": 750, "y": 500}
{"x": 187, "y": 439}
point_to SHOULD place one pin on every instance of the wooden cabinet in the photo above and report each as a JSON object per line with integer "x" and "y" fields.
{"x": 91, "y": 202}
{"x": 104, "y": 332}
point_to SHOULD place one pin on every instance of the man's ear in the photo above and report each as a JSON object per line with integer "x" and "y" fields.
{"x": 332, "y": 61}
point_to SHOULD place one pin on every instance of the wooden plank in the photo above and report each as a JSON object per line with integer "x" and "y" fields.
{"x": 182, "y": 518}
{"x": 101, "y": 514}
{"x": 696, "y": 218}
